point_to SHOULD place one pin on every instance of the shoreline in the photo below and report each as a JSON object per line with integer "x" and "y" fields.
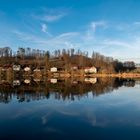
{"x": 117, "y": 75}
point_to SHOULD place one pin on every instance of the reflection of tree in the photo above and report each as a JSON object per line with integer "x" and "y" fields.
{"x": 64, "y": 89}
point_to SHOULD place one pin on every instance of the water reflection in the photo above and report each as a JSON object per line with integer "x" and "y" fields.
{"x": 27, "y": 90}
{"x": 71, "y": 109}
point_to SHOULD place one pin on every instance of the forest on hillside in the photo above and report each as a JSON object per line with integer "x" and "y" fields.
{"x": 65, "y": 58}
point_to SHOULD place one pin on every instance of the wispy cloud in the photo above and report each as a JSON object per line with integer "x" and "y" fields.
{"x": 92, "y": 28}
{"x": 50, "y": 15}
{"x": 136, "y": 23}
{"x": 44, "y": 28}
{"x": 2, "y": 13}
{"x": 68, "y": 35}
{"x": 52, "y": 18}
{"x": 95, "y": 24}
{"x": 64, "y": 40}
{"x": 118, "y": 46}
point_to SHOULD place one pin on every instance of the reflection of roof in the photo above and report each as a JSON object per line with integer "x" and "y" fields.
{"x": 91, "y": 80}
{"x": 53, "y": 81}
{"x": 27, "y": 81}
{"x": 36, "y": 80}
{"x": 37, "y": 70}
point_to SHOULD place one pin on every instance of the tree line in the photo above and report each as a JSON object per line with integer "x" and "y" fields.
{"x": 65, "y": 58}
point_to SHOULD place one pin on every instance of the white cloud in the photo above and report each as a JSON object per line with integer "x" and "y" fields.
{"x": 89, "y": 34}
{"x": 52, "y": 18}
{"x": 68, "y": 35}
{"x": 44, "y": 28}
{"x": 96, "y": 24}
{"x": 50, "y": 15}
{"x": 116, "y": 43}
{"x": 118, "y": 46}
{"x": 137, "y": 23}
{"x": 64, "y": 40}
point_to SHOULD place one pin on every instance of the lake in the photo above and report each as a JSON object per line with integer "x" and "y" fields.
{"x": 70, "y": 109}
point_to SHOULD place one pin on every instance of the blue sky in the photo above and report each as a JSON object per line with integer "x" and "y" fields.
{"x": 110, "y": 27}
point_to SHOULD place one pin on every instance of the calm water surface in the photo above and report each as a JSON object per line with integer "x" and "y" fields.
{"x": 112, "y": 111}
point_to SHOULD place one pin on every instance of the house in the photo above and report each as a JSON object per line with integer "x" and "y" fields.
{"x": 5, "y": 67}
{"x": 27, "y": 69}
{"x": 54, "y": 81}
{"x": 137, "y": 65}
{"x": 53, "y": 69}
{"x": 129, "y": 64}
{"x": 16, "y": 83}
{"x": 74, "y": 67}
{"x": 16, "y": 67}
{"x": 90, "y": 70}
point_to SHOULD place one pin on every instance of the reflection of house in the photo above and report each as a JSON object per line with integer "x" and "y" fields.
{"x": 90, "y": 70}
{"x": 37, "y": 80}
{"x": 27, "y": 81}
{"x": 74, "y": 68}
{"x": 16, "y": 67}
{"x": 91, "y": 80}
{"x": 36, "y": 70}
{"x": 53, "y": 69}
{"x": 27, "y": 69}
{"x": 16, "y": 83}
{"x": 5, "y": 67}
{"x": 53, "y": 81}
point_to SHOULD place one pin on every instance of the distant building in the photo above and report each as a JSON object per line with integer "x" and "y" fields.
{"x": 16, "y": 83}
{"x": 5, "y": 67}
{"x": 90, "y": 70}
{"x": 53, "y": 69}
{"x": 129, "y": 64}
{"x": 16, "y": 67}
{"x": 137, "y": 65}
{"x": 74, "y": 67}
{"x": 27, "y": 69}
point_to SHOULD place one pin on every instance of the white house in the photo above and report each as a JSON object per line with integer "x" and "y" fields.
{"x": 54, "y": 81}
{"x": 16, "y": 67}
{"x": 27, "y": 69}
{"x": 90, "y": 70}
{"x": 16, "y": 83}
{"x": 74, "y": 68}
{"x": 53, "y": 69}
